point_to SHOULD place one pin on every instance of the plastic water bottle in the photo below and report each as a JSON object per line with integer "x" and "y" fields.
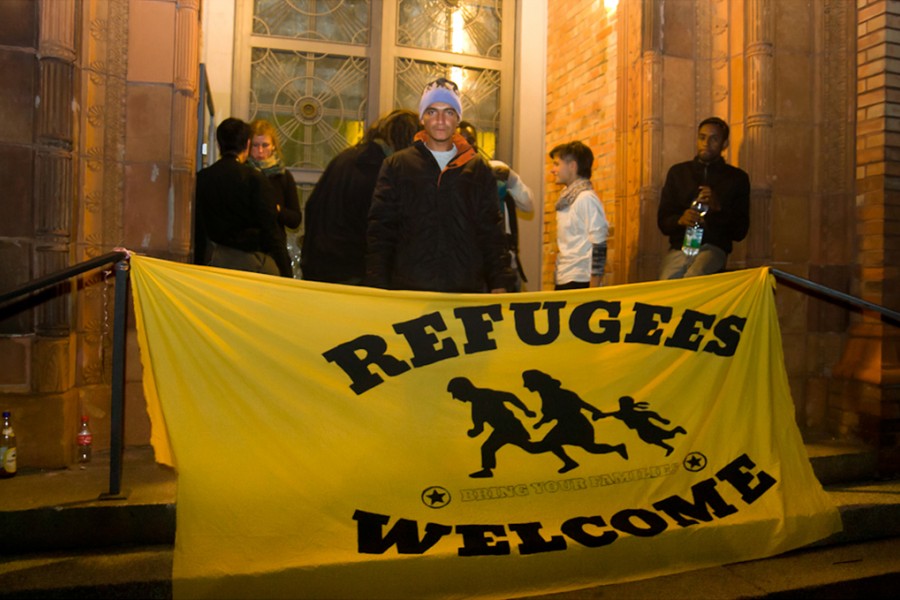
{"x": 84, "y": 441}
{"x": 7, "y": 448}
{"x": 693, "y": 235}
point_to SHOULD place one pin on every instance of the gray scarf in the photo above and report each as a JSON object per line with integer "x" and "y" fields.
{"x": 571, "y": 192}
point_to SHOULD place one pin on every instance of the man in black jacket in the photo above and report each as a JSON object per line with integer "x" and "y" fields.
{"x": 435, "y": 221}
{"x": 236, "y": 220}
{"x": 723, "y": 188}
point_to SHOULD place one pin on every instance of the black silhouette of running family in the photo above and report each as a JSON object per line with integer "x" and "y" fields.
{"x": 565, "y": 407}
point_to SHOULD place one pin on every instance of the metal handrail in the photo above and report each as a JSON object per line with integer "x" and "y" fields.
{"x": 53, "y": 278}
{"x": 891, "y": 315}
{"x": 120, "y": 313}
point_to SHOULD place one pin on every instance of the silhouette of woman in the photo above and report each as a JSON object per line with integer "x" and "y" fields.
{"x": 572, "y": 427}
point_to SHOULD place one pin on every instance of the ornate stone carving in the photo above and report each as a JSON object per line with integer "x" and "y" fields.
{"x": 720, "y": 50}
{"x": 101, "y": 170}
{"x": 94, "y": 325}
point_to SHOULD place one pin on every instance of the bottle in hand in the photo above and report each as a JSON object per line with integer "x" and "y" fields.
{"x": 693, "y": 235}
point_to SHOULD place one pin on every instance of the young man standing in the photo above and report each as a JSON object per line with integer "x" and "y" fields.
{"x": 237, "y": 227}
{"x": 435, "y": 222}
{"x": 726, "y": 192}
{"x": 581, "y": 226}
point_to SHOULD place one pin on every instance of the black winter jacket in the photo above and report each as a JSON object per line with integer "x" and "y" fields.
{"x": 436, "y": 230}
{"x": 236, "y": 208}
{"x": 730, "y": 186}
{"x": 334, "y": 242}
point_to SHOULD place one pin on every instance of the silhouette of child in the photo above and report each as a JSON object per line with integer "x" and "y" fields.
{"x": 636, "y": 416}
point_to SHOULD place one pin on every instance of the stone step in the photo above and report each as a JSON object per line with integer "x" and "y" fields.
{"x": 62, "y": 541}
{"x": 842, "y": 462}
{"x": 44, "y": 511}
{"x": 58, "y": 510}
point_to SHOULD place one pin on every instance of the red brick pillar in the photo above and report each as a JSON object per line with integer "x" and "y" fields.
{"x": 868, "y": 405}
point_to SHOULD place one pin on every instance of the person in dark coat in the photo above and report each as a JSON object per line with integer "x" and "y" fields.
{"x": 435, "y": 222}
{"x": 724, "y": 189}
{"x": 265, "y": 155}
{"x": 236, "y": 224}
{"x": 334, "y": 240}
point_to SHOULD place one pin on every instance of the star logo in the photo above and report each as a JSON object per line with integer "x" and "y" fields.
{"x": 435, "y": 497}
{"x": 695, "y": 461}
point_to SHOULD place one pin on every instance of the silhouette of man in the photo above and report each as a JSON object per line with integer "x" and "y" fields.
{"x": 635, "y": 416}
{"x": 489, "y": 407}
{"x": 572, "y": 427}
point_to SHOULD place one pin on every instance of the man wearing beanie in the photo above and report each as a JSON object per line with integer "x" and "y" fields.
{"x": 435, "y": 221}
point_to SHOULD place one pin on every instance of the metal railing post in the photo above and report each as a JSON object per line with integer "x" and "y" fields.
{"x": 117, "y": 409}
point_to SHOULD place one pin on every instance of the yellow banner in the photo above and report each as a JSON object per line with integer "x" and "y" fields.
{"x": 346, "y": 442}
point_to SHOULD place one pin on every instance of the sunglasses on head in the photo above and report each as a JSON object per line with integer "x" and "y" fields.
{"x": 442, "y": 82}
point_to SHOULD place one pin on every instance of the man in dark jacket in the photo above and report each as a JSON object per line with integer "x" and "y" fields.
{"x": 236, "y": 222}
{"x": 723, "y": 188}
{"x": 334, "y": 240}
{"x": 435, "y": 222}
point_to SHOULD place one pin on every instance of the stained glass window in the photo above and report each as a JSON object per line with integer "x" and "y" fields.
{"x": 459, "y": 26}
{"x": 344, "y": 21}
{"x": 316, "y": 101}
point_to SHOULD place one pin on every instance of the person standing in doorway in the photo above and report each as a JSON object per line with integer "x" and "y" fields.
{"x": 435, "y": 223}
{"x": 334, "y": 241}
{"x": 265, "y": 155}
{"x": 237, "y": 227}
{"x": 581, "y": 226}
{"x": 513, "y": 195}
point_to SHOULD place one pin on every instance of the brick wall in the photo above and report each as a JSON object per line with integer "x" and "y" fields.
{"x": 581, "y": 105}
{"x": 867, "y": 403}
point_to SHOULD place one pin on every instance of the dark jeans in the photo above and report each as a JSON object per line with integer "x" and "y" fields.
{"x": 573, "y": 285}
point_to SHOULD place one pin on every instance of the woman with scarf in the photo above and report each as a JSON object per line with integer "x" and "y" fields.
{"x": 265, "y": 155}
{"x": 581, "y": 226}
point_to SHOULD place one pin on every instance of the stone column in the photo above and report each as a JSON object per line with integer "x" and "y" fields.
{"x": 53, "y": 194}
{"x": 757, "y": 140}
{"x": 184, "y": 126}
{"x": 53, "y": 199}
